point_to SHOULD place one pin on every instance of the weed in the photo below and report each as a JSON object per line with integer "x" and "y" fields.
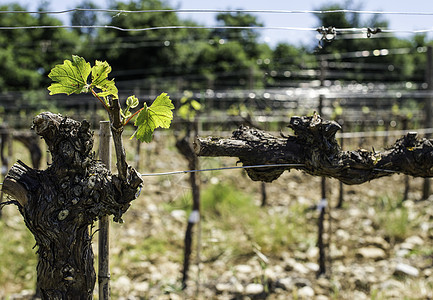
{"x": 17, "y": 256}
{"x": 227, "y": 211}
{"x": 393, "y": 218}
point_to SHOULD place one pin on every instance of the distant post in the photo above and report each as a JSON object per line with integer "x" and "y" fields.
{"x": 428, "y": 111}
{"x": 322, "y": 206}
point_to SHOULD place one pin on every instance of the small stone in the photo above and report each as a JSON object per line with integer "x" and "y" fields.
{"x": 223, "y": 287}
{"x": 312, "y": 266}
{"x": 414, "y": 240}
{"x": 360, "y": 295}
{"x": 342, "y": 235}
{"x": 324, "y": 283}
{"x": 285, "y": 283}
{"x": 306, "y": 292}
{"x": 254, "y": 289}
{"x": 377, "y": 241}
{"x": 313, "y": 253}
{"x": 391, "y": 284}
{"x": 405, "y": 270}
{"x": 301, "y": 282}
{"x": 178, "y": 215}
{"x": 402, "y": 252}
{"x": 300, "y": 268}
{"x": 427, "y": 272}
{"x": 371, "y": 253}
{"x": 245, "y": 269}
{"x": 141, "y": 287}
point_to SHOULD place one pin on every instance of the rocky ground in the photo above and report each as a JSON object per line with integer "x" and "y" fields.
{"x": 378, "y": 247}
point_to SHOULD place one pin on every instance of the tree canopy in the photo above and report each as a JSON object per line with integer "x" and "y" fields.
{"x": 181, "y": 58}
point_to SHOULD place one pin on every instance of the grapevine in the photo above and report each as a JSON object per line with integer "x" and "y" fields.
{"x": 72, "y": 77}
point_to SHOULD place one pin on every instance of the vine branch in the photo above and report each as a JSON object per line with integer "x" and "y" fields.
{"x": 315, "y": 147}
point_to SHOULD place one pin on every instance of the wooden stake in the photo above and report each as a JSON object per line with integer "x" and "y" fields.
{"x": 104, "y": 222}
{"x": 428, "y": 112}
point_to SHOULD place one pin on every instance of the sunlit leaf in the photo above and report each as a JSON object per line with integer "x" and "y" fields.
{"x": 195, "y": 105}
{"x": 159, "y": 114}
{"x": 70, "y": 77}
{"x": 132, "y": 101}
{"x": 100, "y": 80}
{"x": 100, "y": 72}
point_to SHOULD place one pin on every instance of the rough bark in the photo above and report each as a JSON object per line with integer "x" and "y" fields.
{"x": 315, "y": 150}
{"x": 58, "y": 205}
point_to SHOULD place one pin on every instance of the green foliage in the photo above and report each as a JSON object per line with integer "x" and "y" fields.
{"x": 393, "y": 218}
{"x": 159, "y": 114}
{"x": 73, "y": 77}
{"x": 235, "y": 211}
{"x": 26, "y": 55}
{"x": 228, "y": 211}
{"x": 189, "y": 107}
{"x": 17, "y": 259}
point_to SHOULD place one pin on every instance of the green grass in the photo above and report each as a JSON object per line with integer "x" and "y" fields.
{"x": 233, "y": 224}
{"x": 393, "y": 218}
{"x": 17, "y": 258}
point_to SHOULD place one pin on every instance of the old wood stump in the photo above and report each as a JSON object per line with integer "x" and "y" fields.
{"x": 60, "y": 203}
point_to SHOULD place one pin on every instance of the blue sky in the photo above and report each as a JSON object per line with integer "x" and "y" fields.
{"x": 397, "y": 22}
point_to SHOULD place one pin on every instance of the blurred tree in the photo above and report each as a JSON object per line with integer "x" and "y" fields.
{"x": 85, "y": 18}
{"x": 286, "y": 63}
{"x": 146, "y": 54}
{"x": 27, "y": 55}
{"x": 248, "y": 38}
{"x": 370, "y": 58}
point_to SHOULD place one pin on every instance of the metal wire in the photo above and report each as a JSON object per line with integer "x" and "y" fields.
{"x": 200, "y": 10}
{"x": 337, "y": 30}
{"x": 224, "y": 168}
{"x": 156, "y": 28}
{"x": 237, "y": 167}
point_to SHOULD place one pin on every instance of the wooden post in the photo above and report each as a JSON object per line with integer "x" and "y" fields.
{"x": 185, "y": 147}
{"x": 104, "y": 222}
{"x": 263, "y": 192}
{"x": 341, "y": 194}
{"x": 323, "y": 201}
{"x": 428, "y": 110}
{"x": 405, "y": 126}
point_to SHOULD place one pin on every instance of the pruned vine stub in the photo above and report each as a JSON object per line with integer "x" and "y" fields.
{"x": 58, "y": 204}
{"x": 315, "y": 147}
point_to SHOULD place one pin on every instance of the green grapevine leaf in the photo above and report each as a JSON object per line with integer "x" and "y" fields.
{"x": 159, "y": 114}
{"x": 195, "y": 105}
{"x": 189, "y": 107}
{"x": 160, "y": 111}
{"x": 70, "y": 77}
{"x": 108, "y": 89}
{"x": 100, "y": 80}
{"x": 132, "y": 101}
{"x": 100, "y": 72}
{"x": 145, "y": 126}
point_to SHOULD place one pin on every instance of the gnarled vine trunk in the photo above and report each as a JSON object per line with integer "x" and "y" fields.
{"x": 58, "y": 205}
{"x": 315, "y": 150}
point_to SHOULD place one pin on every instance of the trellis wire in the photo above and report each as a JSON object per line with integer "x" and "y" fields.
{"x": 223, "y": 168}
{"x": 337, "y": 30}
{"x": 200, "y": 10}
{"x": 238, "y": 167}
